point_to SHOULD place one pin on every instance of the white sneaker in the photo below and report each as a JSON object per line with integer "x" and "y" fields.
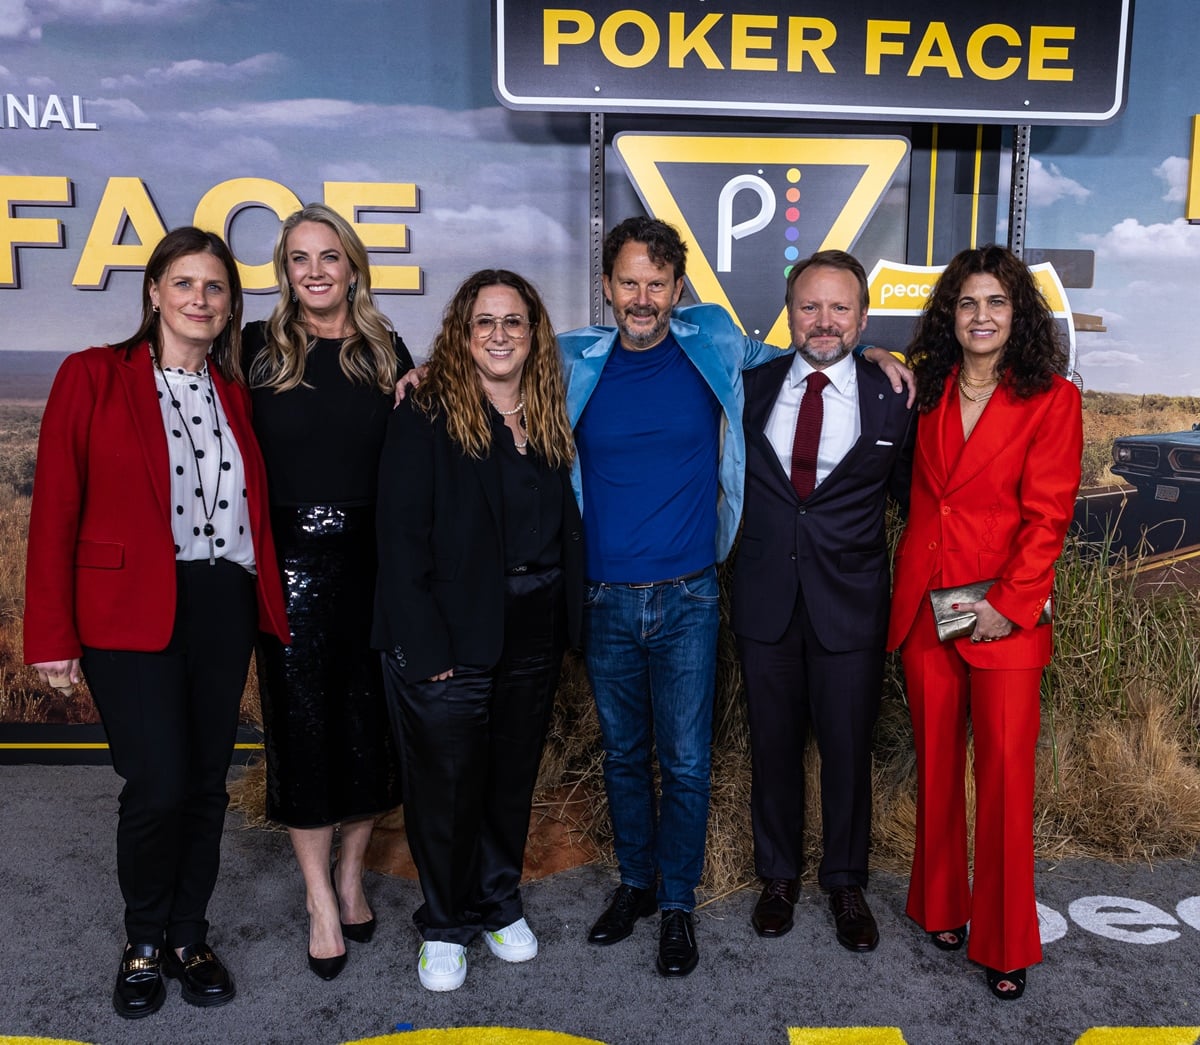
{"x": 513, "y": 943}
{"x": 442, "y": 966}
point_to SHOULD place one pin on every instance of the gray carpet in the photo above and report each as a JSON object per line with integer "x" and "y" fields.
{"x": 60, "y": 930}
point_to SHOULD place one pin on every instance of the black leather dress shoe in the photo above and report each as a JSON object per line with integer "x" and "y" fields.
{"x": 677, "y": 951}
{"x": 620, "y": 916}
{"x": 856, "y": 928}
{"x": 202, "y": 977}
{"x": 773, "y": 913}
{"x": 139, "y": 990}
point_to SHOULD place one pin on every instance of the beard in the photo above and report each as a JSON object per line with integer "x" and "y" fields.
{"x": 822, "y": 357}
{"x": 648, "y": 338}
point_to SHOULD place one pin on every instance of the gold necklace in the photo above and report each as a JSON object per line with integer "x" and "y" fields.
{"x": 974, "y": 383}
{"x": 982, "y": 397}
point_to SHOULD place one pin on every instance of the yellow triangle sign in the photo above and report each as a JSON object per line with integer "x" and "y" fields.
{"x": 750, "y": 206}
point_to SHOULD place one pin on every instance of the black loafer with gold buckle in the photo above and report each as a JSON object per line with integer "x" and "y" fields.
{"x": 139, "y": 990}
{"x": 202, "y": 977}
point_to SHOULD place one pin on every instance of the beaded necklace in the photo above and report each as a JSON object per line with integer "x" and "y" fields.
{"x": 208, "y": 529}
{"x": 518, "y": 409}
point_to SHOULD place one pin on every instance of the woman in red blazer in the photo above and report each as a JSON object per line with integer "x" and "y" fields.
{"x": 150, "y": 566}
{"x": 995, "y": 474}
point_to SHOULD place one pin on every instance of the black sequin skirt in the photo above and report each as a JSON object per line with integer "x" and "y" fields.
{"x": 330, "y": 753}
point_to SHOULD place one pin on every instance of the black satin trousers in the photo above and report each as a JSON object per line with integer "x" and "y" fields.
{"x": 470, "y": 748}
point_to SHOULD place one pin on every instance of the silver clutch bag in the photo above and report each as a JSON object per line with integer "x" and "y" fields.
{"x": 954, "y": 624}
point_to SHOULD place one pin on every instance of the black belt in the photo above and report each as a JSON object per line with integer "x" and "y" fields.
{"x": 654, "y": 584}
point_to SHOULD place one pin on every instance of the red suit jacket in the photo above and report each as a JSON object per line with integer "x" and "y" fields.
{"x": 1001, "y": 511}
{"x": 101, "y": 560}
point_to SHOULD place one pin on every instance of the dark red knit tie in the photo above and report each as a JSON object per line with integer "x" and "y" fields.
{"x": 808, "y": 434}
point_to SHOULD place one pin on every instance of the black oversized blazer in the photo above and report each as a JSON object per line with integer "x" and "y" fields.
{"x": 439, "y": 597}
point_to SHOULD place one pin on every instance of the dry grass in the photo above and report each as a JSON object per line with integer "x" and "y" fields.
{"x": 19, "y": 424}
{"x": 1117, "y": 759}
{"x": 1124, "y": 787}
{"x": 22, "y": 697}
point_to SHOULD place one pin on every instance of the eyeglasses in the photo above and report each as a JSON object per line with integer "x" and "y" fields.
{"x": 484, "y": 327}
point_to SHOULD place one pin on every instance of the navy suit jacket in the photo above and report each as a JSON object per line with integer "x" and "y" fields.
{"x": 831, "y": 548}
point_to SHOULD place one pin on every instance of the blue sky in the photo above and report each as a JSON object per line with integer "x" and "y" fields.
{"x": 190, "y": 93}
{"x": 1119, "y": 190}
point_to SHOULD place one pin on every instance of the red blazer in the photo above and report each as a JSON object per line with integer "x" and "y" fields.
{"x": 1002, "y": 510}
{"x": 101, "y": 560}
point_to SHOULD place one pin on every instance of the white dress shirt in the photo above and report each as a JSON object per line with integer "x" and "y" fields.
{"x": 840, "y": 427}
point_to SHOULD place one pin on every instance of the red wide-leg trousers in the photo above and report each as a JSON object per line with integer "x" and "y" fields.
{"x": 1004, "y": 708}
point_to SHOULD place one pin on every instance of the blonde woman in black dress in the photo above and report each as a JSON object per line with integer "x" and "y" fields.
{"x": 322, "y": 370}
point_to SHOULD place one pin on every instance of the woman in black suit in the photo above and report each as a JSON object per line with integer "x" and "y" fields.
{"x": 480, "y": 588}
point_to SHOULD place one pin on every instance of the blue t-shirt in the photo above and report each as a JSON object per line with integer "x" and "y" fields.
{"x": 648, "y": 445}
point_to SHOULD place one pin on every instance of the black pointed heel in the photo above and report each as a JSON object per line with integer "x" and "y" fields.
{"x": 327, "y": 968}
{"x": 359, "y": 932}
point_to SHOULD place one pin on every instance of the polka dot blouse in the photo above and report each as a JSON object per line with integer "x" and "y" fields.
{"x": 209, "y": 515}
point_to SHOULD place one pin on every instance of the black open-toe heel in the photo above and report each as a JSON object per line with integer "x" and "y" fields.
{"x": 1007, "y": 986}
{"x": 949, "y": 939}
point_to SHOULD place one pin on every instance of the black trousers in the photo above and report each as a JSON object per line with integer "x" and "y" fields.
{"x": 171, "y": 720}
{"x": 470, "y": 747}
{"x": 793, "y": 686}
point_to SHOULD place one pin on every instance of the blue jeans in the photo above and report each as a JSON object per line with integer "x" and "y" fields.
{"x": 651, "y": 656}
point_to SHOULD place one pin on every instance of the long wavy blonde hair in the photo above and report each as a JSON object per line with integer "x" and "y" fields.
{"x": 366, "y": 355}
{"x": 452, "y": 388}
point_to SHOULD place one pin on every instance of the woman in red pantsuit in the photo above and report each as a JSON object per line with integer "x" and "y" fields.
{"x": 995, "y": 474}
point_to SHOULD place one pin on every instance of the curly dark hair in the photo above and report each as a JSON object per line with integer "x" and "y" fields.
{"x": 663, "y": 243}
{"x": 1034, "y": 351}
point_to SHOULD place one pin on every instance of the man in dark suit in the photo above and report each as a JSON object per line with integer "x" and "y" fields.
{"x": 827, "y": 439}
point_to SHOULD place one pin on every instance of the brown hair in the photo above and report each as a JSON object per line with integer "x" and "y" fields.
{"x": 663, "y": 243}
{"x": 176, "y": 244}
{"x": 834, "y": 259}
{"x": 451, "y": 386}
